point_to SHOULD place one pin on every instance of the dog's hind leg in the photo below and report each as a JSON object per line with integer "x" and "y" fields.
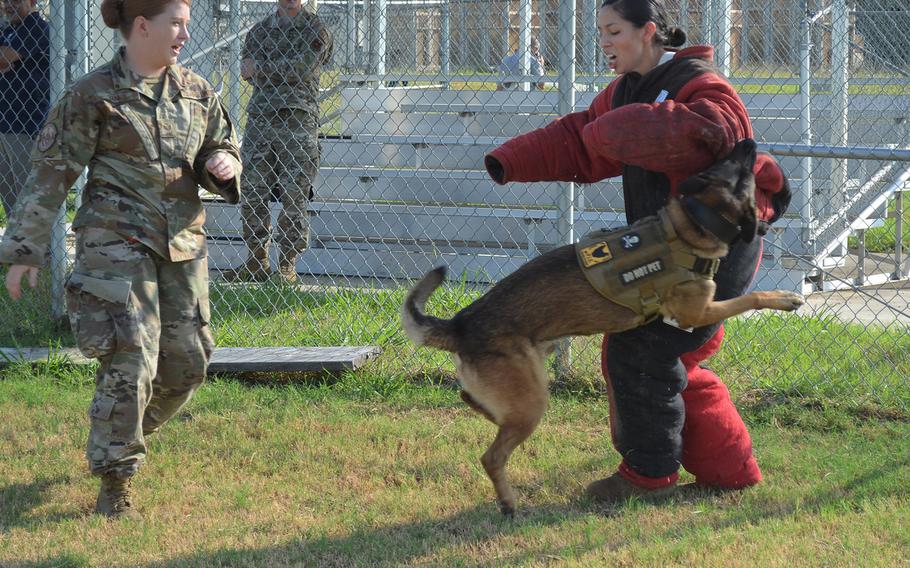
{"x": 514, "y": 392}
{"x": 477, "y": 407}
{"x": 494, "y": 460}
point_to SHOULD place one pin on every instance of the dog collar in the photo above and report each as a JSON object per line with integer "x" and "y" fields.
{"x": 682, "y": 253}
{"x": 710, "y": 220}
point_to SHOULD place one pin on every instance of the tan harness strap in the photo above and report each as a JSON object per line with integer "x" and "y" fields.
{"x": 635, "y": 266}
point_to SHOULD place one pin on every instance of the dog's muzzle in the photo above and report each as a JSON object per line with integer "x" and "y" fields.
{"x": 710, "y": 220}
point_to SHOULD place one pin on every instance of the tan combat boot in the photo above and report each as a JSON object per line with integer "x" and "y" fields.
{"x": 255, "y": 269}
{"x": 617, "y": 489}
{"x": 114, "y": 500}
{"x": 287, "y": 268}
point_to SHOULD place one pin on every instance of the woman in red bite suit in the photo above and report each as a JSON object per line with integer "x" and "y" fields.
{"x": 668, "y": 115}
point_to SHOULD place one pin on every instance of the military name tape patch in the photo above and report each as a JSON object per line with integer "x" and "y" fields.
{"x": 47, "y": 137}
{"x": 635, "y": 274}
{"x": 595, "y": 254}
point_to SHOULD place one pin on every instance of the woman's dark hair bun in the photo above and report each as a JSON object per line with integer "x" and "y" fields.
{"x": 675, "y": 37}
{"x": 111, "y": 13}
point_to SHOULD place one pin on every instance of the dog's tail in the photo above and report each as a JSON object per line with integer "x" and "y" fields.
{"x": 421, "y": 328}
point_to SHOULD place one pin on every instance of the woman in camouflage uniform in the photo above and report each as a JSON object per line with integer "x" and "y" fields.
{"x": 149, "y": 132}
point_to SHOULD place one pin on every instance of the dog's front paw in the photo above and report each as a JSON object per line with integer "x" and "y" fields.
{"x": 786, "y": 301}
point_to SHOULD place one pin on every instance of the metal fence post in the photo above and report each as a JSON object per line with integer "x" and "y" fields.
{"x": 444, "y": 39}
{"x": 351, "y": 35}
{"x": 78, "y": 43}
{"x": 506, "y": 27}
{"x": 566, "y": 205}
{"x": 485, "y": 42}
{"x": 840, "y": 97}
{"x": 236, "y": 52}
{"x": 542, "y": 29}
{"x": 57, "y": 21}
{"x": 898, "y": 235}
{"x": 524, "y": 40}
{"x": 462, "y": 44}
{"x": 723, "y": 35}
{"x": 377, "y": 37}
{"x": 745, "y": 47}
{"x": 567, "y": 105}
{"x": 586, "y": 29}
{"x": 684, "y": 15}
{"x": 768, "y": 33}
{"x": 709, "y": 17}
{"x": 803, "y": 198}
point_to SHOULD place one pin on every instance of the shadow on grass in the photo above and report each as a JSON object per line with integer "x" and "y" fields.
{"x": 393, "y": 545}
{"x": 408, "y": 543}
{"x": 19, "y": 499}
{"x": 65, "y": 560}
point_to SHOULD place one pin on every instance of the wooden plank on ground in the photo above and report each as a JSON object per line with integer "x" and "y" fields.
{"x": 245, "y": 359}
{"x": 233, "y": 359}
{"x": 9, "y": 355}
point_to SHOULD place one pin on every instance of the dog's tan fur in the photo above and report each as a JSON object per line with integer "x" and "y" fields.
{"x": 501, "y": 340}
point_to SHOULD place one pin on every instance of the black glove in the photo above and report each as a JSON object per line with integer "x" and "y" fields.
{"x": 781, "y": 201}
{"x": 494, "y": 168}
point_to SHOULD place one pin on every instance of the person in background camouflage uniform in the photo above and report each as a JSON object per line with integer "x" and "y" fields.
{"x": 282, "y": 57}
{"x": 24, "y": 92}
{"x": 149, "y": 131}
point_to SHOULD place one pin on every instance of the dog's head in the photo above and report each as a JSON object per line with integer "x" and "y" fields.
{"x": 721, "y": 199}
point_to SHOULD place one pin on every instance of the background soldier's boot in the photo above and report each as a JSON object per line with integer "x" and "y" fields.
{"x": 114, "y": 499}
{"x": 287, "y": 267}
{"x": 256, "y": 267}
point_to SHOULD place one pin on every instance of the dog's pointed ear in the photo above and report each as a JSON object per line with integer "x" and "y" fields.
{"x": 745, "y": 153}
{"x": 693, "y": 184}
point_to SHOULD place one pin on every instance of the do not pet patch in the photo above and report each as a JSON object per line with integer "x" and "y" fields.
{"x": 633, "y": 275}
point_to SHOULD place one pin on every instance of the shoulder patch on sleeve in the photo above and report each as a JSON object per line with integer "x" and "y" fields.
{"x": 47, "y": 137}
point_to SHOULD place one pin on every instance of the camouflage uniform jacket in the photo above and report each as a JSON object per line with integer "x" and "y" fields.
{"x": 145, "y": 160}
{"x": 289, "y": 55}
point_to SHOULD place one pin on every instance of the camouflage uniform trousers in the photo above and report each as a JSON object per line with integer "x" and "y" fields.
{"x": 280, "y": 155}
{"x": 146, "y": 321}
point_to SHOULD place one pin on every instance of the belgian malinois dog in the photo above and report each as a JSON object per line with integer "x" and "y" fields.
{"x": 500, "y": 341}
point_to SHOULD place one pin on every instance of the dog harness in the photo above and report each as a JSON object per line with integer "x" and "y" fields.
{"x": 635, "y": 266}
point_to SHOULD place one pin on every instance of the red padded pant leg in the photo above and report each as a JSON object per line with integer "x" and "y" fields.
{"x": 717, "y": 448}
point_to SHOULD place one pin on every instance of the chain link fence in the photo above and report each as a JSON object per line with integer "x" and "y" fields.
{"x": 416, "y": 92}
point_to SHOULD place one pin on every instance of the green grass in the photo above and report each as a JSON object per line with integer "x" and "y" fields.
{"x": 330, "y": 473}
{"x": 882, "y": 239}
{"x": 379, "y": 467}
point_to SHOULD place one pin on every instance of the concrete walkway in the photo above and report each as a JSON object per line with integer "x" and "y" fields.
{"x": 883, "y": 305}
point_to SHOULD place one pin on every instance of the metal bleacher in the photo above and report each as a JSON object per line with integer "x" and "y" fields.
{"x": 402, "y": 188}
